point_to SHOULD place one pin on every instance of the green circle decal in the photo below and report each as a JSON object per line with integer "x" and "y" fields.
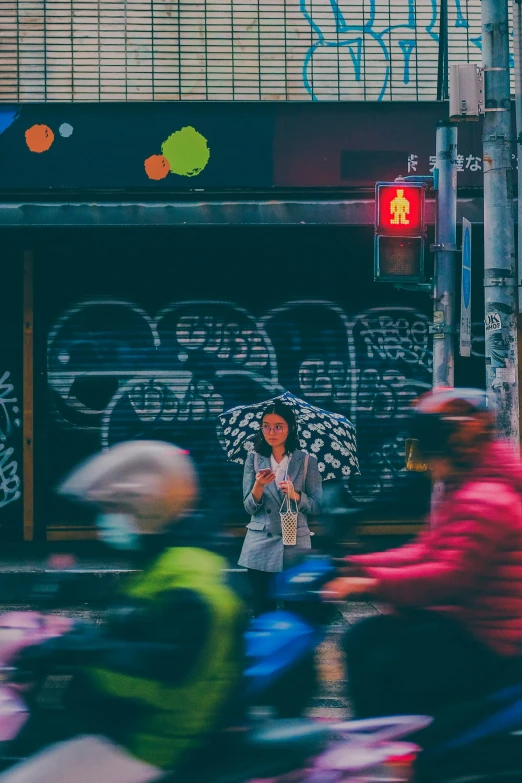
{"x": 186, "y": 151}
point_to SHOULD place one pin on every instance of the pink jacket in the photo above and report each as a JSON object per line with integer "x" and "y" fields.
{"x": 469, "y": 563}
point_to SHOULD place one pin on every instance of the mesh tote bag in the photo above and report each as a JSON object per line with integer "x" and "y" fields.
{"x": 289, "y": 510}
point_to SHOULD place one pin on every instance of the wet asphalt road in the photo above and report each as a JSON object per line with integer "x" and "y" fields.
{"x": 331, "y": 702}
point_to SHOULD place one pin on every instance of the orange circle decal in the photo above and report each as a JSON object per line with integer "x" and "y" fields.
{"x": 39, "y": 138}
{"x": 157, "y": 167}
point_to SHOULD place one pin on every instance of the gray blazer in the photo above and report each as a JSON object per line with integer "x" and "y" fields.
{"x": 263, "y": 547}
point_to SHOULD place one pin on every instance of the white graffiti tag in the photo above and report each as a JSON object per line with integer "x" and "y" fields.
{"x": 164, "y": 399}
{"x": 9, "y": 478}
{"x": 9, "y": 421}
{"x": 9, "y": 409}
{"x": 224, "y": 339}
{"x": 397, "y": 338}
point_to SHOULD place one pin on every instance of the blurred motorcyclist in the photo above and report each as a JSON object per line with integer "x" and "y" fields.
{"x": 455, "y": 626}
{"x": 164, "y": 674}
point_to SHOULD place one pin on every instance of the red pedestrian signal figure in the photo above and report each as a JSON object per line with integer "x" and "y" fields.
{"x": 400, "y": 209}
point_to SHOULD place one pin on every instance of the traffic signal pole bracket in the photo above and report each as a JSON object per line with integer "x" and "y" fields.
{"x": 400, "y": 238}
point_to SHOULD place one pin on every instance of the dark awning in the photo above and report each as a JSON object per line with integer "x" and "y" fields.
{"x": 359, "y": 212}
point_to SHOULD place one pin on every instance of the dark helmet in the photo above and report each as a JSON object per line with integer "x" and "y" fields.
{"x": 450, "y": 423}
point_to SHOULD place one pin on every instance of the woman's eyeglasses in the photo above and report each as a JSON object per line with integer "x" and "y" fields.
{"x": 277, "y": 428}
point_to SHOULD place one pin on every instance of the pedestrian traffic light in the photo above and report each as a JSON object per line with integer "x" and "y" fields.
{"x": 399, "y": 231}
{"x": 400, "y": 209}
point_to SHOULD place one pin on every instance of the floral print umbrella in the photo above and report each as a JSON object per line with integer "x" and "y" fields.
{"x": 330, "y": 437}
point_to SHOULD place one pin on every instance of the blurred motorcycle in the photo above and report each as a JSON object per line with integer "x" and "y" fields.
{"x": 297, "y": 750}
{"x": 479, "y": 741}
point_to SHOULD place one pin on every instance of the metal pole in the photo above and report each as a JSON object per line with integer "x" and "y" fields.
{"x": 442, "y": 64}
{"x": 500, "y": 283}
{"x": 445, "y": 257}
{"x": 517, "y": 47}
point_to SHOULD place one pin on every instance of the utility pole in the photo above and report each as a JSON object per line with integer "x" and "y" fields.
{"x": 500, "y": 283}
{"x": 517, "y": 47}
{"x": 444, "y": 279}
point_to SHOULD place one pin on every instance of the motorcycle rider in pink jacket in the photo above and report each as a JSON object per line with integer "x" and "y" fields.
{"x": 454, "y": 595}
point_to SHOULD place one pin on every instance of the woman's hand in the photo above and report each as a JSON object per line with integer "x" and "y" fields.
{"x": 265, "y": 477}
{"x": 348, "y": 587}
{"x": 287, "y": 488}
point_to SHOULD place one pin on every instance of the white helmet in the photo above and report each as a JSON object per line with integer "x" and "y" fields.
{"x": 151, "y": 481}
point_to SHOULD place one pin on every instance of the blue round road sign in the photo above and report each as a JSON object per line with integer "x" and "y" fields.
{"x": 466, "y": 268}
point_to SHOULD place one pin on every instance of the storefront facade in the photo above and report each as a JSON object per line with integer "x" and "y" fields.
{"x": 143, "y": 307}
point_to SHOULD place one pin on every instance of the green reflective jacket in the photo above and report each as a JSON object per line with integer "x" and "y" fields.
{"x": 176, "y": 719}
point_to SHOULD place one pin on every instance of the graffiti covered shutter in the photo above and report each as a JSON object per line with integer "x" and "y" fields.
{"x": 155, "y": 337}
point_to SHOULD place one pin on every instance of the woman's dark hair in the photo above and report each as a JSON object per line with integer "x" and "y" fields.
{"x": 286, "y": 413}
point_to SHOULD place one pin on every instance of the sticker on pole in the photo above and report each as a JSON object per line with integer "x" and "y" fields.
{"x": 493, "y": 322}
{"x": 506, "y": 374}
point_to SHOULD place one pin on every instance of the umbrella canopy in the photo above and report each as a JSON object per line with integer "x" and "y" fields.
{"x": 330, "y": 437}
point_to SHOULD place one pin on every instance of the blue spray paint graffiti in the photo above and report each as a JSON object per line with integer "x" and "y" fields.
{"x": 8, "y": 114}
{"x": 372, "y": 44}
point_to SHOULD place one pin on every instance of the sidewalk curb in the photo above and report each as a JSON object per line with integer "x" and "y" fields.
{"x": 87, "y": 585}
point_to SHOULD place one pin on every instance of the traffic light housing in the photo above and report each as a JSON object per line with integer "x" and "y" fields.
{"x": 400, "y": 231}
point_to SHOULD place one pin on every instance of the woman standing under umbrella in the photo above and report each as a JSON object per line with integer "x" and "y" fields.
{"x": 276, "y": 470}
